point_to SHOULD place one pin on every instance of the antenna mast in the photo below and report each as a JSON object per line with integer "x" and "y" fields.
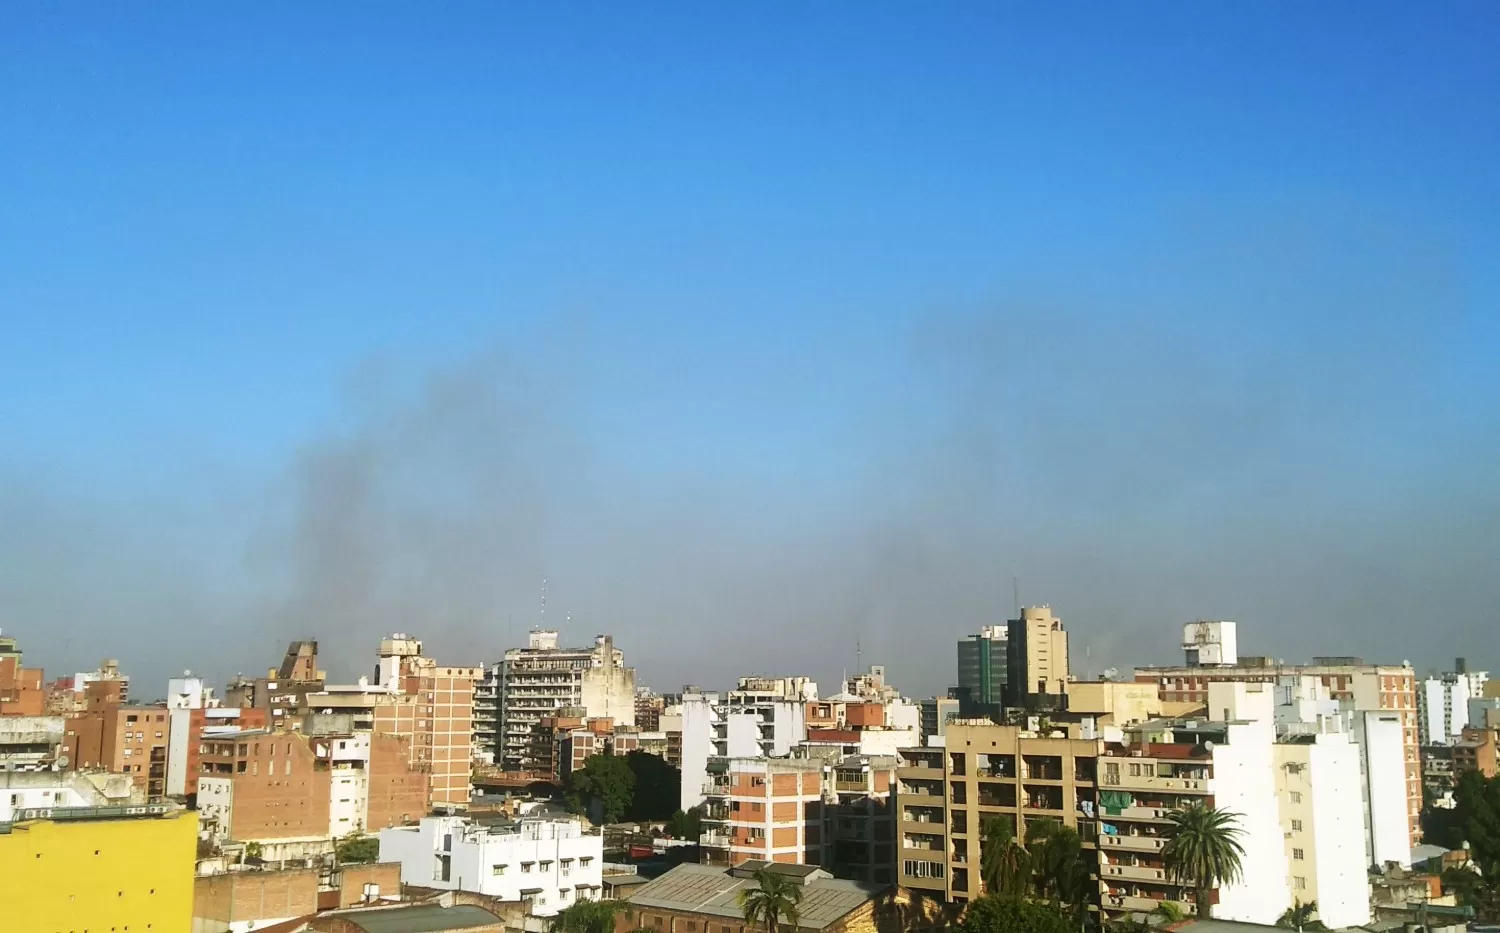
{"x": 544, "y": 602}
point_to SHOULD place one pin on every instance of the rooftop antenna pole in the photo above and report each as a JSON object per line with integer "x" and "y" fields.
{"x": 544, "y": 602}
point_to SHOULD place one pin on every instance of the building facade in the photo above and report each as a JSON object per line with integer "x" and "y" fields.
{"x": 543, "y": 678}
{"x": 1037, "y": 653}
{"x": 983, "y": 668}
{"x": 547, "y": 864}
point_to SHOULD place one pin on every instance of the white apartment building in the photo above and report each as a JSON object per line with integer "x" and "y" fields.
{"x": 770, "y": 728}
{"x": 1443, "y": 705}
{"x": 753, "y": 690}
{"x": 548, "y": 864}
{"x": 1295, "y": 788}
{"x": 1210, "y": 644}
{"x": 542, "y": 678}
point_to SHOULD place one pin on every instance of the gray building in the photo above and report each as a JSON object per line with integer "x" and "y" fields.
{"x": 982, "y": 670}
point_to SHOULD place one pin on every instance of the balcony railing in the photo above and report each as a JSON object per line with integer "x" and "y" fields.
{"x": 1133, "y": 843}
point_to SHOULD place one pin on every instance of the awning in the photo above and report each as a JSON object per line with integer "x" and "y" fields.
{"x": 526, "y": 891}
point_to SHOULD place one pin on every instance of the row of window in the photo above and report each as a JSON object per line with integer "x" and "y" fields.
{"x": 913, "y": 868}
{"x": 546, "y": 865}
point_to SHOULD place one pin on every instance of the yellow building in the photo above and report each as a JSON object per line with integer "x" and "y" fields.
{"x": 1116, "y": 703}
{"x": 99, "y": 869}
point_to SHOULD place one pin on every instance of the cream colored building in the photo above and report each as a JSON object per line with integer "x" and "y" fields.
{"x": 1037, "y": 648}
{"x": 1115, "y": 703}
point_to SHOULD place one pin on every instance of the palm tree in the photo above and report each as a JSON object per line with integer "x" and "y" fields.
{"x": 1060, "y": 872}
{"x": 1204, "y": 850}
{"x": 1299, "y": 915}
{"x": 1004, "y": 864}
{"x": 774, "y": 899}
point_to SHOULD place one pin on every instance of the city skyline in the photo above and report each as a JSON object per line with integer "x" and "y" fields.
{"x": 803, "y": 324}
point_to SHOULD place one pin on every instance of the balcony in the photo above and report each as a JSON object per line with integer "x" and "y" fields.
{"x": 914, "y": 842}
{"x": 1157, "y": 782}
{"x": 1132, "y": 843}
{"x": 1132, "y": 873}
{"x": 715, "y": 788}
{"x": 1143, "y": 904}
{"x": 1157, "y": 814}
{"x": 714, "y": 840}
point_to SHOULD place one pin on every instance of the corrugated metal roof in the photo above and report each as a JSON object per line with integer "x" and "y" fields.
{"x": 427, "y": 918}
{"x": 710, "y": 890}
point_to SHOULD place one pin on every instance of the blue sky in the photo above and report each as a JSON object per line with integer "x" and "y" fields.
{"x": 723, "y": 243}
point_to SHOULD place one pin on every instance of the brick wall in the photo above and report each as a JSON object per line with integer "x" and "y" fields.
{"x": 353, "y": 878}
{"x": 398, "y": 791}
{"x": 254, "y": 895}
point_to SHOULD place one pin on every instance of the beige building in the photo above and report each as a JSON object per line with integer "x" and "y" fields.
{"x": 1362, "y": 687}
{"x": 945, "y": 796}
{"x": 1115, "y": 703}
{"x": 1037, "y": 650}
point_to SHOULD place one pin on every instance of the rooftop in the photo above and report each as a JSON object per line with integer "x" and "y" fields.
{"x": 426, "y": 918}
{"x": 706, "y": 889}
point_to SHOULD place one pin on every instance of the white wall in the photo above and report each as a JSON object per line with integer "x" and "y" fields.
{"x": 698, "y": 719}
{"x": 1382, "y": 741}
{"x": 179, "y": 735}
{"x": 1342, "y": 880}
{"x": 500, "y": 865}
{"x": 1244, "y": 782}
{"x": 216, "y": 803}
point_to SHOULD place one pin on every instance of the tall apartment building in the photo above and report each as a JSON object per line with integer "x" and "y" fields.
{"x": 983, "y": 669}
{"x": 936, "y": 713}
{"x": 1443, "y": 703}
{"x": 1293, "y": 786}
{"x": 193, "y": 715}
{"x": 1357, "y": 686}
{"x": 487, "y": 714}
{"x": 280, "y": 692}
{"x": 648, "y": 709}
{"x": 21, "y": 690}
{"x": 293, "y": 793}
{"x": 1037, "y": 658}
{"x": 748, "y": 729}
{"x": 946, "y": 794}
{"x": 444, "y": 732}
{"x": 1210, "y": 644}
{"x": 542, "y": 678}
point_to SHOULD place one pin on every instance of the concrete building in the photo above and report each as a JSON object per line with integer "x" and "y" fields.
{"x": 1294, "y": 787}
{"x": 1037, "y": 658}
{"x": 283, "y": 688}
{"x": 90, "y": 865}
{"x": 547, "y": 864}
{"x": 1114, "y": 703}
{"x": 983, "y": 669}
{"x": 21, "y": 690}
{"x": 983, "y": 770}
{"x": 1443, "y": 704}
{"x": 936, "y": 713}
{"x": 1210, "y": 644}
{"x": 487, "y": 714}
{"x": 293, "y": 793}
{"x": 754, "y": 691}
{"x": 763, "y": 808}
{"x": 542, "y": 678}
{"x": 192, "y": 715}
{"x": 247, "y": 901}
{"x": 762, "y": 728}
{"x": 1357, "y": 686}
{"x": 32, "y": 744}
{"x": 1382, "y": 744}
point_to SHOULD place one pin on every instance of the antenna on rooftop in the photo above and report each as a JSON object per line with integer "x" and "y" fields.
{"x": 544, "y": 602}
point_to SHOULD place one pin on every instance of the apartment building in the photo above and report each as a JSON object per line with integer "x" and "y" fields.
{"x": 444, "y": 733}
{"x": 283, "y": 688}
{"x": 763, "y": 808}
{"x": 935, "y": 715}
{"x": 543, "y": 678}
{"x": 1295, "y": 791}
{"x": 1444, "y": 701}
{"x": 748, "y": 729}
{"x": 860, "y": 818}
{"x": 192, "y": 715}
{"x": 549, "y": 865}
{"x": 753, "y": 691}
{"x": 648, "y": 709}
{"x": 293, "y": 793}
{"x": 487, "y": 714}
{"x": 129, "y": 740}
{"x": 1356, "y": 685}
{"x": 21, "y": 690}
{"x": 1037, "y": 658}
{"x": 1114, "y": 703}
{"x": 983, "y": 770}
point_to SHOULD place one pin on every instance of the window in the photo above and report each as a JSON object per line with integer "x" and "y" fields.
{"x": 497, "y": 870}
{"x": 526, "y": 867}
{"x": 1297, "y": 854}
{"x": 127, "y": 753}
{"x": 586, "y": 861}
{"x": 1300, "y": 884}
{"x": 1296, "y": 826}
{"x": 546, "y": 864}
{"x": 1296, "y": 796}
{"x": 565, "y": 864}
{"x": 913, "y": 868}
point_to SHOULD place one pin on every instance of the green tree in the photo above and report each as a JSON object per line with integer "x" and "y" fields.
{"x": 1299, "y": 916}
{"x": 772, "y": 901}
{"x": 252, "y": 851}
{"x": 658, "y": 787}
{"x": 1004, "y": 864}
{"x": 991, "y": 914}
{"x": 686, "y": 824}
{"x": 587, "y": 917}
{"x": 607, "y": 779}
{"x": 1476, "y": 816}
{"x": 1204, "y": 851}
{"x": 356, "y": 848}
{"x": 1170, "y": 912}
{"x": 1060, "y": 872}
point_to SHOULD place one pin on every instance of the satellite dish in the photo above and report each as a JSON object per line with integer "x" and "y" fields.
{"x": 62, "y": 761}
{"x": 1209, "y": 745}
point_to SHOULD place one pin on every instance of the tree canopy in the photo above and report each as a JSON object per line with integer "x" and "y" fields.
{"x": 1475, "y": 820}
{"x": 606, "y": 779}
{"x": 990, "y": 914}
{"x": 587, "y": 917}
{"x": 658, "y": 787}
{"x": 356, "y": 848}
